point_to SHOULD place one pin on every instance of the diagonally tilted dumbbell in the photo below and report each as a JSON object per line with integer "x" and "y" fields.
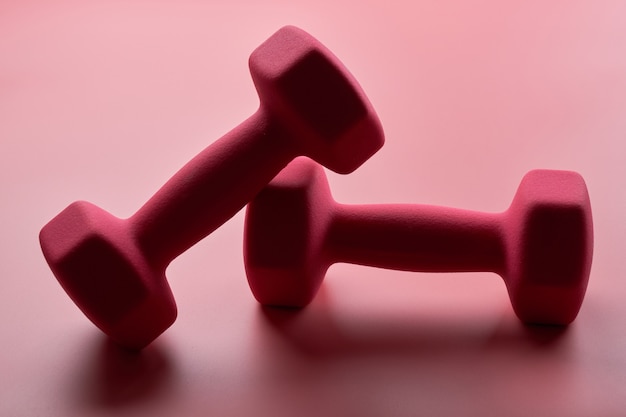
{"x": 114, "y": 269}
{"x": 542, "y": 245}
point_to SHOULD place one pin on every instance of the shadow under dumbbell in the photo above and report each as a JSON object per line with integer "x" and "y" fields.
{"x": 315, "y": 331}
{"x": 113, "y": 377}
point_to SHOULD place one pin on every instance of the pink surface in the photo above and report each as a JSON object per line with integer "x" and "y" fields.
{"x": 105, "y": 101}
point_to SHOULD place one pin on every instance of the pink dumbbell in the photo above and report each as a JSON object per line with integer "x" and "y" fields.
{"x": 542, "y": 245}
{"x": 114, "y": 269}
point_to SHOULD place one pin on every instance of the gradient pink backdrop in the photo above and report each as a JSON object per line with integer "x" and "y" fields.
{"x": 104, "y": 100}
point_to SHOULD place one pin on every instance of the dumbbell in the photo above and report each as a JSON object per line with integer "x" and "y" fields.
{"x": 114, "y": 269}
{"x": 541, "y": 245}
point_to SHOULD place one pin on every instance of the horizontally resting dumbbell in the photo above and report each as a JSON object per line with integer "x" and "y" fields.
{"x": 114, "y": 269}
{"x": 542, "y": 245}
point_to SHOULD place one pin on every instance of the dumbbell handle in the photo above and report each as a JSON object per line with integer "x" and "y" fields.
{"x": 210, "y": 189}
{"x": 420, "y": 238}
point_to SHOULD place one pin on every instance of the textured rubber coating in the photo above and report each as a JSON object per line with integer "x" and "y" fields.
{"x": 114, "y": 269}
{"x": 542, "y": 245}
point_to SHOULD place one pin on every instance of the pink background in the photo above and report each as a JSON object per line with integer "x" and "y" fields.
{"x": 104, "y": 100}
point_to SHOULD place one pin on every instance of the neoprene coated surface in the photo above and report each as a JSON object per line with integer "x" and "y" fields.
{"x": 542, "y": 245}
{"x": 114, "y": 269}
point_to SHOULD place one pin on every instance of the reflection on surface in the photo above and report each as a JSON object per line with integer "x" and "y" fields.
{"x": 320, "y": 330}
{"x": 114, "y": 377}
{"x": 358, "y": 359}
